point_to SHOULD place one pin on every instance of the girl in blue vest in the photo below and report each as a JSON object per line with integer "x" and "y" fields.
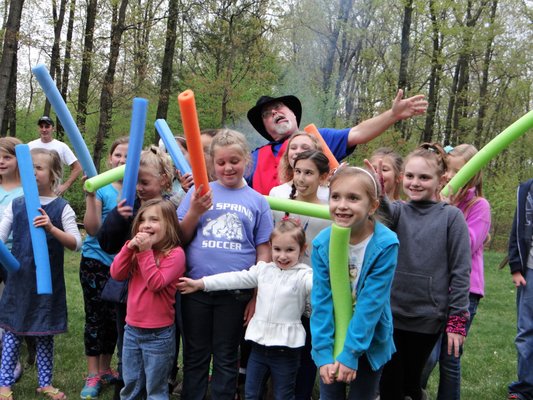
{"x": 23, "y": 312}
{"x": 373, "y": 250}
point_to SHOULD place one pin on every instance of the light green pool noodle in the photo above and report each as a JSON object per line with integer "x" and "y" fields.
{"x": 105, "y": 178}
{"x": 299, "y": 207}
{"x": 488, "y": 152}
{"x": 339, "y": 277}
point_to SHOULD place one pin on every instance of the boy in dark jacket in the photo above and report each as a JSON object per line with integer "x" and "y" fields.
{"x": 521, "y": 263}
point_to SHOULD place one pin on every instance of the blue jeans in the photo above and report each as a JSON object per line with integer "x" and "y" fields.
{"x": 449, "y": 365}
{"x": 524, "y": 339}
{"x": 364, "y": 387}
{"x": 279, "y": 362}
{"x": 147, "y": 355}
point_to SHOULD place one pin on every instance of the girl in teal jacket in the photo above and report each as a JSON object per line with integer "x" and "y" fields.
{"x": 354, "y": 195}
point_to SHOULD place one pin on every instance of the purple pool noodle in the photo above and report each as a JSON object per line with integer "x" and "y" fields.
{"x": 138, "y": 120}
{"x": 38, "y": 235}
{"x": 53, "y": 95}
{"x": 172, "y": 147}
{"x": 8, "y": 260}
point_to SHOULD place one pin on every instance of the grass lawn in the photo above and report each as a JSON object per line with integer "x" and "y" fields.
{"x": 489, "y": 361}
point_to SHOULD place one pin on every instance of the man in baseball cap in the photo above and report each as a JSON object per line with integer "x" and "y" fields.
{"x": 47, "y": 141}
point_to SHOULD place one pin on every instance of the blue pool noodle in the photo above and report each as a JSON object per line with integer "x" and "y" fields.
{"x": 172, "y": 147}
{"x": 138, "y": 121}
{"x": 38, "y": 235}
{"x": 54, "y": 97}
{"x": 8, "y": 260}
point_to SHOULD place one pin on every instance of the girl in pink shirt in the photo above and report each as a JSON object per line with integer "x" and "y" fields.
{"x": 153, "y": 261}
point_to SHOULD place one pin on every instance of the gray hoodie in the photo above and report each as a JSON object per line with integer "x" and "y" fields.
{"x": 432, "y": 279}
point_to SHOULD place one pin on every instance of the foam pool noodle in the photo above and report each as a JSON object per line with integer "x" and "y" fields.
{"x": 38, "y": 235}
{"x": 138, "y": 121}
{"x": 105, "y": 178}
{"x": 61, "y": 109}
{"x": 299, "y": 207}
{"x": 488, "y": 152}
{"x": 339, "y": 276}
{"x": 172, "y": 147}
{"x": 191, "y": 128}
{"x": 312, "y": 130}
{"x": 8, "y": 260}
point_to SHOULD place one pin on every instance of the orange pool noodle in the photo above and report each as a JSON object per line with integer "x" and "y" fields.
{"x": 312, "y": 130}
{"x": 191, "y": 128}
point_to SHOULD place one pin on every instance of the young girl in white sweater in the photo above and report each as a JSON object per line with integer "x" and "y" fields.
{"x": 276, "y": 331}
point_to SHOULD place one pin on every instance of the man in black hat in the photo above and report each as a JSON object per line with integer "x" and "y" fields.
{"x": 276, "y": 118}
{"x": 47, "y": 141}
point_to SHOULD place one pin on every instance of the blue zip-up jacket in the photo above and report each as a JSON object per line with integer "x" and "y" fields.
{"x": 370, "y": 330}
{"x": 522, "y": 231}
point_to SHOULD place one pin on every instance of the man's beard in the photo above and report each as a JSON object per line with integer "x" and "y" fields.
{"x": 284, "y": 128}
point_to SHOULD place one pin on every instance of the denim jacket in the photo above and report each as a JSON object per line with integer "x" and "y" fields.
{"x": 370, "y": 329}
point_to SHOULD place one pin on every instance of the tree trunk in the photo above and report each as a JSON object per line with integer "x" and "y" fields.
{"x": 345, "y": 7}
{"x": 55, "y": 69}
{"x": 10, "y": 116}
{"x": 457, "y": 108}
{"x": 143, "y": 29}
{"x": 435, "y": 76}
{"x": 167, "y": 64}
{"x": 66, "y": 61}
{"x": 86, "y": 65}
{"x": 9, "y": 53}
{"x": 403, "y": 81}
{"x": 106, "y": 96}
{"x": 483, "y": 101}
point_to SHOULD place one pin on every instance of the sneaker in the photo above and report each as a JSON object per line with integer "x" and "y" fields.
{"x": 109, "y": 376}
{"x": 92, "y": 388}
{"x": 514, "y": 396}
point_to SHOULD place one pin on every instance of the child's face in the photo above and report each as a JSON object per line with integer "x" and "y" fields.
{"x": 8, "y": 163}
{"x": 46, "y": 131}
{"x": 306, "y": 178}
{"x": 390, "y": 178}
{"x": 298, "y": 145}
{"x": 229, "y": 165}
{"x": 206, "y": 143}
{"x": 454, "y": 163}
{"x": 118, "y": 157}
{"x": 151, "y": 222}
{"x": 421, "y": 180}
{"x": 349, "y": 203}
{"x": 285, "y": 250}
{"x": 43, "y": 174}
{"x": 149, "y": 186}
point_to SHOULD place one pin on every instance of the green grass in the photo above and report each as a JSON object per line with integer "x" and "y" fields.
{"x": 489, "y": 360}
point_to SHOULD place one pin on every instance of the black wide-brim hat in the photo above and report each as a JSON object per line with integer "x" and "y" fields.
{"x": 255, "y": 118}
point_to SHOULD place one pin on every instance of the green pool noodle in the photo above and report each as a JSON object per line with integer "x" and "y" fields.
{"x": 488, "y": 152}
{"x": 105, "y": 178}
{"x": 299, "y": 207}
{"x": 339, "y": 276}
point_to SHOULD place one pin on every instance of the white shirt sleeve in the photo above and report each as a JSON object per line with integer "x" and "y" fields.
{"x": 5, "y": 223}
{"x": 68, "y": 154}
{"x": 68, "y": 218}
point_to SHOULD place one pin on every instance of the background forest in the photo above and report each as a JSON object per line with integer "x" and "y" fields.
{"x": 344, "y": 59}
